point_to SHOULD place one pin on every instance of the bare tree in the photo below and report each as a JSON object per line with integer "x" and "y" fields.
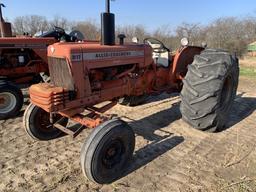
{"x": 194, "y": 32}
{"x": 229, "y": 33}
{"x": 90, "y": 29}
{"x": 36, "y": 23}
{"x": 60, "y": 22}
{"x": 19, "y": 25}
{"x": 132, "y": 31}
{"x": 165, "y": 35}
{"x": 249, "y": 24}
{"x": 31, "y": 24}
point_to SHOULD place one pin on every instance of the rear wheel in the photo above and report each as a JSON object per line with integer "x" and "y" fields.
{"x": 37, "y": 123}
{"x": 209, "y": 90}
{"x": 11, "y": 100}
{"x": 107, "y": 151}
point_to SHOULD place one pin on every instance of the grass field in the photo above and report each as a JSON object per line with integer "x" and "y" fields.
{"x": 248, "y": 67}
{"x": 248, "y": 71}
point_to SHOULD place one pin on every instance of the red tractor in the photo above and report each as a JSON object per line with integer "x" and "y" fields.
{"x": 86, "y": 74}
{"x": 23, "y": 61}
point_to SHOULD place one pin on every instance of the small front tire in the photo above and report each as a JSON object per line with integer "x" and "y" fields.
{"x": 37, "y": 123}
{"x": 107, "y": 151}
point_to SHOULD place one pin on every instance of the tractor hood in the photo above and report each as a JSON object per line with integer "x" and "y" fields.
{"x": 95, "y": 55}
{"x": 71, "y": 63}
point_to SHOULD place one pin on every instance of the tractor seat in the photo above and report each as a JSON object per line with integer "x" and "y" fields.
{"x": 162, "y": 59}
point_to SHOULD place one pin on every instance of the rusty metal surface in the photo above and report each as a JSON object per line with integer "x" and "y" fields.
{"x": 182, "y": 59}
{"x": 34, "y": 50}
{"x": 6, "y": 29}
{"x": 94, "y": 117}
{"x": 47, "y": 96}
{"x": 67, "y": 130}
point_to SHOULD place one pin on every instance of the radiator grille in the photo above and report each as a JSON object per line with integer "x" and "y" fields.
{"x": 60, "y": 73}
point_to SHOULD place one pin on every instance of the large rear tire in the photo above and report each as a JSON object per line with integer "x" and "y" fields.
{"x": 11, "y": 100}
{"x": 37, "y": 123}
{"x": 107, "y": 151}
{"x": 209, "y": 90}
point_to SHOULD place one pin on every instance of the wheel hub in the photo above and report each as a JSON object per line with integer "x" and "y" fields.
{"x": 44, "y": 123}
{"x": 113, "y": 154}
{"x": 7, "y": 102}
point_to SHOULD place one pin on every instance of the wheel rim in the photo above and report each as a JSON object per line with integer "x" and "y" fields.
{"x": 113, "y": 153}
{"x": 43, "y": 123}
{"x": 226, "y": 93}
{"x": 7, "y": 102}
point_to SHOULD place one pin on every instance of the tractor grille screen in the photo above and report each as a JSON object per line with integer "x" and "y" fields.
{"x": 60, "y": 73}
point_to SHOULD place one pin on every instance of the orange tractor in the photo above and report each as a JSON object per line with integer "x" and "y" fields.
{"x": 86, "y": 74}
{"x": 23, "y": 61}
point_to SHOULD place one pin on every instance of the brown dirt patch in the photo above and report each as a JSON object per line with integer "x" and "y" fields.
{"x": 169, "y": 155}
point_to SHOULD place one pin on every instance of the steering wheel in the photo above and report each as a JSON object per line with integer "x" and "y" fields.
{"x": 59, "y": 29}
{"x": 157, "y": 45}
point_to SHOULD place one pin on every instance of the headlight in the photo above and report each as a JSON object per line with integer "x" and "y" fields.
{"x": 184, "y": 42}
{"x": 204, "y": 44}
{"x": 135, "y": 40}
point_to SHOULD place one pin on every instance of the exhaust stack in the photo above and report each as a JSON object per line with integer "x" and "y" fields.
{"x": 6, "y": 28}
{"x": 107, "y": 26}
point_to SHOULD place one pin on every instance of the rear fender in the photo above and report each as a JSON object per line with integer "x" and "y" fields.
{"x": 183, "y": 58}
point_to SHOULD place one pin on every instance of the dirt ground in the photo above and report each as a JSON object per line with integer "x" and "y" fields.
{"x": 248, "y": 61}
{"x": 169, "y": 156}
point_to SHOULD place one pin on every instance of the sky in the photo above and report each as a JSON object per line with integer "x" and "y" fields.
{"x": 150, "y": 13}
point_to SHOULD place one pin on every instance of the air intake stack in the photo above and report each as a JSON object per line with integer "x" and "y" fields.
{"x": 107, "y": 26}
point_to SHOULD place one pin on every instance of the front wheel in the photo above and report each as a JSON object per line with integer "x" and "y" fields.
{"x": 209, "y": 90}
{"x": 11, "y": 100}
{"x": 107, "y": 151}
{"x": 37, "y": 123}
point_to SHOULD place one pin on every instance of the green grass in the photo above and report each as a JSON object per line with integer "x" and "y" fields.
{"x": 248, "y": 72}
